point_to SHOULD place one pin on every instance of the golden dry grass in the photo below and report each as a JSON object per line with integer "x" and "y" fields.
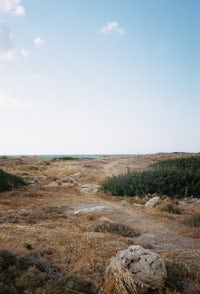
{"x": 42, "y": 217}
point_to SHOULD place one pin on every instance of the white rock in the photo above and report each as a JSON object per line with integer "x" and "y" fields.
{"x": 90, "y": 188}
{"x": 153, "y": 202}
{"x": 68, "y": 180}
{"x": 92, "y": 209}
{"x": 137, "y": 269}
{"x": 77, "y": 175}
{"x": 67, "y": 185}
{"x": 52, "y": 184}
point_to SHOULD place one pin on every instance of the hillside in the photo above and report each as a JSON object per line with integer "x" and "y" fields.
{"x": 61, "y": 219}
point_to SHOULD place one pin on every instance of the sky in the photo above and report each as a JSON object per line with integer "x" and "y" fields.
{"x": 99, "y": 76}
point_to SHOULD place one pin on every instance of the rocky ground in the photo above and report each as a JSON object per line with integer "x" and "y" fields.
{"x": 60, "y": 216}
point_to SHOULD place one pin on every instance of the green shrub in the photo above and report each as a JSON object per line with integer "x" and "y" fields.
{"x": 175, "y": 178}
{"x": 8, "y": 181}
{"x": 66, "y": 158}
{"x": 181, "y": 278}
{"x": 118, "y": 229}
{"x": 187, "y": 163}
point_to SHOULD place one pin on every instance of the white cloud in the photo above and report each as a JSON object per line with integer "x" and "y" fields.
{"x": 11, "y": 102}
{"x": 9, "y": 55}
{"x": 39, "y": 42}
{"x": 24, "y": 53}
{"x": 34, "y": 77}
{"x": 12, "y": 6}
{"x": 112, "y": 27}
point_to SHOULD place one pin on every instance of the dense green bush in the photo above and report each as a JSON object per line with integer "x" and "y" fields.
{"x": 175, "y": 178}
{"x": 187, "y": 163}
{"x": 8, "y": 181}
{"x": 66, "y": 158}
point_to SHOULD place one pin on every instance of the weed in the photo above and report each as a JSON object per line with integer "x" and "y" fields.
{"x": 170, "y": 207}
{"x": 181, "y": 278}
{"x": 193, "y": 220}
{"x": 119, "y": 229}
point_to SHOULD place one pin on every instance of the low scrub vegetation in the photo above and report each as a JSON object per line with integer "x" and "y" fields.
{"x": 182, "y": 279}
{"x": 175, "y": 178}
{"x": 27, "y": 274}
{"x": 66, "y": 158}
{"x": 119, "y": 229}
{"x": 193, "y": 220}
{"x": 8, "y": 181}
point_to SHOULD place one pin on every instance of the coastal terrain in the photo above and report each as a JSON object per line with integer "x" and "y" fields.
{"x": 63, "y": 218}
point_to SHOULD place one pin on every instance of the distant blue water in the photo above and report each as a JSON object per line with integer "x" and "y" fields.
{"x": 77, "y": 155}
{"x": 71, "y": 155}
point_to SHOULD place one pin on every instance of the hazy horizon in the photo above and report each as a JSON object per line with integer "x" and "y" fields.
{"x": 99, "y": 77}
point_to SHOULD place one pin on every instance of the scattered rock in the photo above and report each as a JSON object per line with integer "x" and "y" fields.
{"x": 186, "y": 201}
{"x": 90, "y": 188}
{"x": 77, "y": 175}
{"x": 69, "y": 180}
{"x": 135, "y": 270}
{"x": 138, "y": 205}
{"x": 52, "y": 184}
{"x": 42, "y": 178}
{"x": 93, "y": 209}
{"x": 67, "y": 185}
{"x": 153, "y": 202}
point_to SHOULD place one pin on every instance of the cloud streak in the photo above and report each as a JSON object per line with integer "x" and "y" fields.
{"x": 11, "y": 102}
{"x": 112, "y": 27}
{"x": 12, "y": 7}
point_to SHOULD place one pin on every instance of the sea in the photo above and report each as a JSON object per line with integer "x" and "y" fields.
{"x": 72, "y": 155}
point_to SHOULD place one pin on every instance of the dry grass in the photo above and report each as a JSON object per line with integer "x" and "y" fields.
{"x": 39, "y": 220}
{"x": 118, "y": 280}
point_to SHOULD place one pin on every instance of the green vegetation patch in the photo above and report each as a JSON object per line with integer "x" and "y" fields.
{"x": 182, "y": 279}
{"x": 188, "y": 163}
{"x": 66, "y": 158}
{"x": 175, "y": 178}
{"x": 118, "y": 229}
{"x": 8, "y": 181}
{"x": 27, "y": 274}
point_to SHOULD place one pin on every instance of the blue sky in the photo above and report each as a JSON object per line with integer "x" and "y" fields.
{"x": 109, "y": 76}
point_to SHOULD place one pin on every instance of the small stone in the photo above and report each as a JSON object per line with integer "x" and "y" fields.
{"x": 93, "y": 209}
{"x": 52, "y": 184}
{"x": 67, "y": 185}
{"x": 90, "y": 188}
{"x": 77, "y": 175}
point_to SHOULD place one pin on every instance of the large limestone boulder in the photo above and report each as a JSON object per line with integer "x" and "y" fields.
{"x": 135, "y": 270}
